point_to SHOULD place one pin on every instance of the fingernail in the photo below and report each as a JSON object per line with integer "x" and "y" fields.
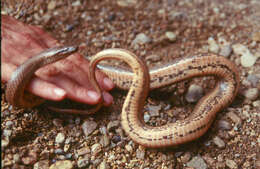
{"x": 59, "y": 92}
{"x": 108, "y": 83}
{"x": 93, "y": 95}
{"x": 107, "y": 98}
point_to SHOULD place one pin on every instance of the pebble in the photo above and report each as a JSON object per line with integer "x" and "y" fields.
{"x": 154, "y": 111}
{"x": 9, "y": 124}
{"x": 64, "y": 164}
{"x": 153, "y": 58}
{"x": 231, "y": 164}
{"x": 219, "y": 142}
{"x": 253, "y": 79}
{"x": 236, "y": 119}
{"x": 103, "y": 165}
{"x": 58, "y": 151}
{"x": 30, "y": 159}
{"x": 195, "y": 92}
{"x": 171, "y": 36}
{"x": 105, "y": 141}
{"x": 247, "y": 59}
{"x": 83, "y": 162}
{"x": 129, "y": 148}
{"x": 197, "y": 163}
{"x": 16, "y": 158}
{"x": 7, "y": 133}
{"x": 141, "y": 38}
{"x": 126, "y": 3}
{"x": 140, "y": 153}
{"x": 186, "y": 157}
{"x": 251, "y": 93}
{"x": 225, "y": 50}
{"x": 256, "y": 36}
{"x": 60, "y": 138}
{"x": 213, "y": 46}
{"x": 51, "y": 5}
{"x": 88, "y": 127}
{"x": 43, "y": 164}
{"x": 112, "y": 125}
{"x": 146, "y": 117}
{"x": 4, "y": 143}
{"x": 224, "y": 125}
{"x": 256, "y": 103}
{"x": 116, "y": 139}
{"x": 96, "y": 148}
{"x": 76, "y": 3}
{"x": 57, "y": 122}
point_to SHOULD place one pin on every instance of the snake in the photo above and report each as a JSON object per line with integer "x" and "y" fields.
{"x": 140, "y": 81}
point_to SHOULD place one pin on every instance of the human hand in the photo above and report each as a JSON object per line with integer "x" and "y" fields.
{"x": 67, "y": 78}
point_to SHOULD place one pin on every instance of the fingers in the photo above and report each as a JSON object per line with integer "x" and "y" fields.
{"x": 104, "y": 82}
{"x": 37, "y": 86}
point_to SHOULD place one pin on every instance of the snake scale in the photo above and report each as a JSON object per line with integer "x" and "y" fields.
{"x": 139, "y": 82}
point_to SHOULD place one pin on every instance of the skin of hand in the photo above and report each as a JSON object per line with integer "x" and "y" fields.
{"x": 67, "y": 78}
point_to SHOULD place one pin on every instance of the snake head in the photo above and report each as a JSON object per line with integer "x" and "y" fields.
{"x": 60, "y": 51}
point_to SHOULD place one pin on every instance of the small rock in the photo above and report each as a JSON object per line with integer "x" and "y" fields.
{"x": 256, "y": 36}
{"x": 129, "y": 148}
{"x": 141, "y": 38}
{"x": 116, "y": 139}
{"x": 225, "y": 50}
{"x": 213, "y": 46}
{"x": 65, "y": 164}
{"x": 197, "y": 163}
{"x": 186, "y": 157}
{"x": 171, "y": 36}
{"x": 103, "y": 165}
{"x": 146, "y": 117}
{"x": 219, "y": 142}
{"x": 126, "y": 3}
{"x": 9, "y": 124}
{"x": 154, "y": 111}
{"x": 60, "y": 138}
{"x": 44, "y": 164}
{"x": 253, "y": 79}
{"x": 255, "y": 104}
{"x": 7, "y": 133}
{"x": 30, "y": 159}
{"x": 51, "y": 5}
{"x": 231, "y": 164}
{"x": 76, "y": 3}
{"x": 83, "y": 151}
{"x": 251, "y": 93}
{"x": 96, "y": 148}
{"x": 237, "y": 120}
{"x": 153, "y": 58}
{"x": 112, "y": 125}
{"x": 57, "y": 122}
{"x": 247, "y": 58}
{"x": 105, "y": 141}
{"x": 194, "y": 93}
{"x": 58, "y": 151}
{"x": 4, "y": 143}
{"x": 16, "y": 158}
{"x": 88, "y": 127}
{"x": 140, "y": 154}
{"x": 83, "y": 162}
{"x": 224, "y": 125}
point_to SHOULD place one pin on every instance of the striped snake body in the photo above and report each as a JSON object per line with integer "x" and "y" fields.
{"x": 141, "y": 80}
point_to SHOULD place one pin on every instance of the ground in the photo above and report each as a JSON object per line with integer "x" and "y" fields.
{"x": 159, "y": 32}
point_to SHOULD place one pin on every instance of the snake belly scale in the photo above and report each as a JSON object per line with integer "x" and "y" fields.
{"x": 141, "y": 80}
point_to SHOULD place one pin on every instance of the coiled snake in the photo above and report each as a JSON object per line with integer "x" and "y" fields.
{"x": 139, "y": 83}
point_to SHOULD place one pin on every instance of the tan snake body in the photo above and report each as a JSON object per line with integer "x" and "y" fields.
{"x": 138, "y": 84}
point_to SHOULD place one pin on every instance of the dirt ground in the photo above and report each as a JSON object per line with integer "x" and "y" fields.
{"x": 168, "y": 29}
